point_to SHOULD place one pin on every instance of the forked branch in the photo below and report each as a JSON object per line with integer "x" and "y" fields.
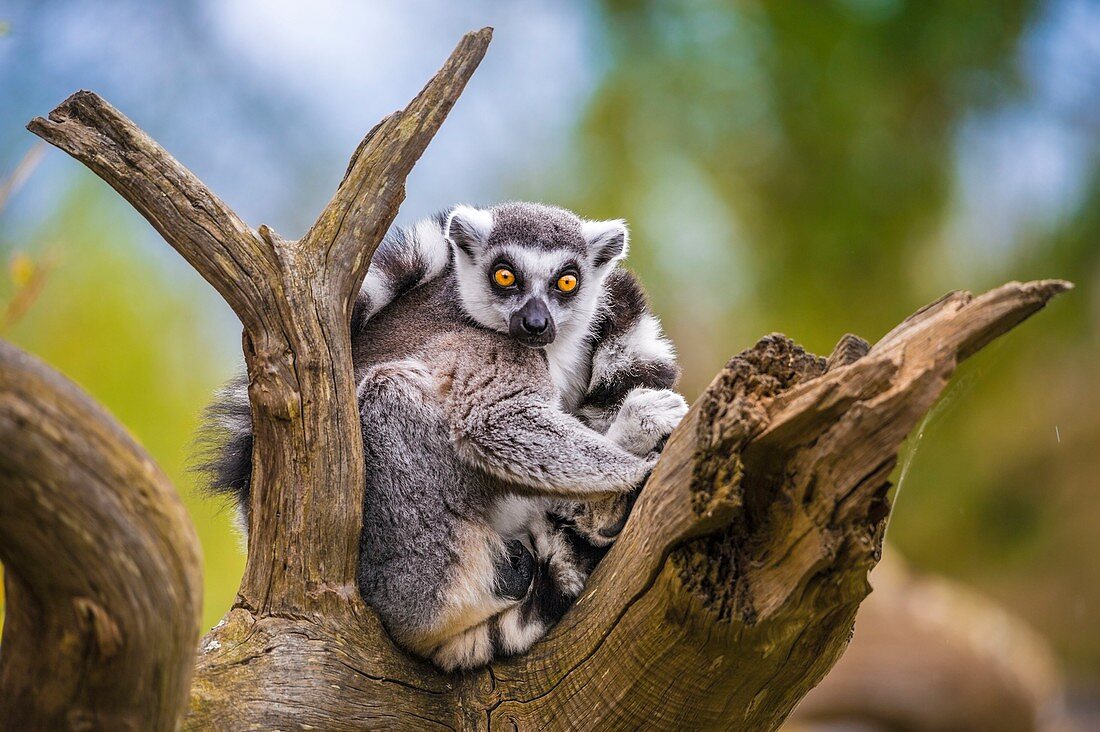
{"x": 294, "y": 300}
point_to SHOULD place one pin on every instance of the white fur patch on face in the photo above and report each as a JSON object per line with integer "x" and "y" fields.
{"x": 475, "y": 295}
{"x": 537, "y": 271}
{"x": 540, "y": 270}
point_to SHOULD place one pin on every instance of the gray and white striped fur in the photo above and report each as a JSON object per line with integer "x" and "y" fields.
{"x": 501, "y": 461}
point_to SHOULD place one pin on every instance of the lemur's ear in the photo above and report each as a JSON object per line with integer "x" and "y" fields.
{"x": 468, "y": 228}
{"x": 607, "y": 240}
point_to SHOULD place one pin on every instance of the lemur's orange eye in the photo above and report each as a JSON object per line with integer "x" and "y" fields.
{"x": 504, "y": 277}
{"x": 567, "y": 283}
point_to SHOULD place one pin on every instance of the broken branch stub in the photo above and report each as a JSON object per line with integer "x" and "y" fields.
{"x": 734, "y": 587}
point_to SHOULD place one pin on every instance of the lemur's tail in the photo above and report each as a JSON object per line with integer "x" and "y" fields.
{"x": 406, "y": 258}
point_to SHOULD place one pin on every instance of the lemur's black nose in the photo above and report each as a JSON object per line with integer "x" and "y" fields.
{"x": 532, "y": 324}
{"x": 535, "y": 325}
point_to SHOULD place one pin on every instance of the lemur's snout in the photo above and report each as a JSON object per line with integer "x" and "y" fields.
{"x": 535, "y": 324}
{"x": 532, "y": 325}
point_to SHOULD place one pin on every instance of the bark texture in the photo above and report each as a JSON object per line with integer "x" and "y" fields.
{"x": 730, "y": 593}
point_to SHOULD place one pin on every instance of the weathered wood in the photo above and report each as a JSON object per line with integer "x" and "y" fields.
{"x": 730, "y": 593}
{"x": 294, "y": 300}
{"x": 728, "y": 596}
{"x": 784, "y": 467}
{"x": 102, "y": 568}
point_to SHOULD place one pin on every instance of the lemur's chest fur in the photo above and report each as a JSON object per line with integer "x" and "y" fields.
{"x": 569, "y": 360}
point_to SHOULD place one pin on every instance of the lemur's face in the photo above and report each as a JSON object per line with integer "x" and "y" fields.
{"x": 532, "y": 271}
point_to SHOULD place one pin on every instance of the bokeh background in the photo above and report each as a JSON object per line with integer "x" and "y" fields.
{"x": 813, "y": 168}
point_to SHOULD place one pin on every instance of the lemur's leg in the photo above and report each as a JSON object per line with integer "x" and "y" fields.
{"x": 431, "y": 565}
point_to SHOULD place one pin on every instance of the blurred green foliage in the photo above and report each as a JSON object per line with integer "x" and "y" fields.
{"x": 790, "y": 167}
{"x": 134, "y": 332}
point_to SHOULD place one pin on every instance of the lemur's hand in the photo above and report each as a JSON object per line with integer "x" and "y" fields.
{"x": 646, "y": 418}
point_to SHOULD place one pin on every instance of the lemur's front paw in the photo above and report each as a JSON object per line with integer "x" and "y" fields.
{"x": 646, "y": 418}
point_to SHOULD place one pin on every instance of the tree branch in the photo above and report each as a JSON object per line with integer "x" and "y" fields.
{"x": 102, "y": 565}
{"x": 294, "y": 300}
{"x": 733, "y": 588}
{"x": 366, "y": 202}
{"x": 222, "y": 248}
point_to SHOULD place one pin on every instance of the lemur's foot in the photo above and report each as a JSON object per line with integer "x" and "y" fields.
{"x": 469, "y": 649}
{"x": 559, "y": 579}
{"x": 514, "y": 571}
{"x": 600, "y": 522}
{"x": 406, "y": 376}
{"x": 646, "y": 419}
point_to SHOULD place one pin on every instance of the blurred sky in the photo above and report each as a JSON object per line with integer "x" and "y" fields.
{"x": 265, "y": 101}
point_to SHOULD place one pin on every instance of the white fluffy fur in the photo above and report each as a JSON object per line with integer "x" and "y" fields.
{"x": 599, "y": 234}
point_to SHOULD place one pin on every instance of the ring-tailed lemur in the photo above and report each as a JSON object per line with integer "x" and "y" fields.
{"x": 519, "y": 320}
